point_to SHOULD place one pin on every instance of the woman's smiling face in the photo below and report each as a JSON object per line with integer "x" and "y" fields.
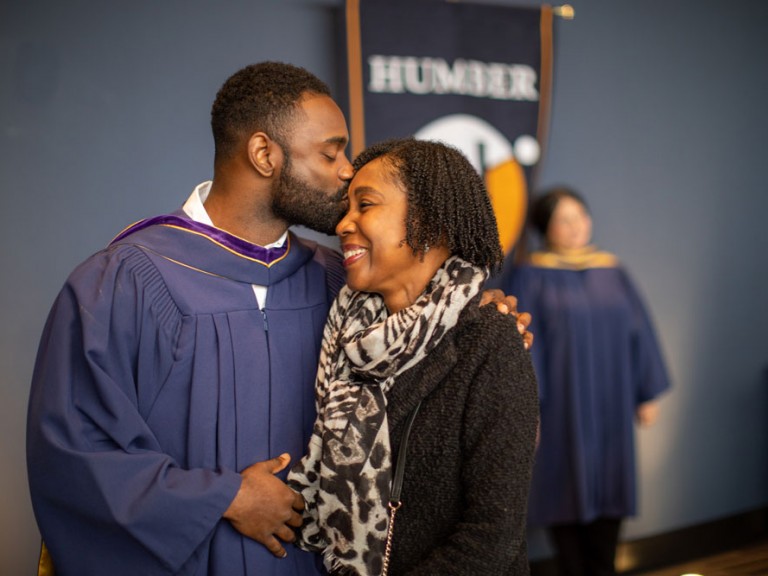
{"x": 570, "y": 226}
{"x": 372, "y": 233}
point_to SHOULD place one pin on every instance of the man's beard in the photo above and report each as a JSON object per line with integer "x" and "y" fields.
{"x": 299, "y": 203}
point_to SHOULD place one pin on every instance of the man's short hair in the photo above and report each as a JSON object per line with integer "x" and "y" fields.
{"x": 260, "y": 98}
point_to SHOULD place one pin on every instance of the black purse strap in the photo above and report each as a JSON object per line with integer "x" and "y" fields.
{"x": 397, "y": 487}
{"x": 397, "y": 482}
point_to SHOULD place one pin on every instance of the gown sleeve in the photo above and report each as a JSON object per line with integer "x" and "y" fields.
{"x": 108, "y": 500}
{"x": 525, "y": 284}
{"x": 649, "y": 369}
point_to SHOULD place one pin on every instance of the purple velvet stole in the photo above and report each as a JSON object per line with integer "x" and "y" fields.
{"x": 225, "y": 239}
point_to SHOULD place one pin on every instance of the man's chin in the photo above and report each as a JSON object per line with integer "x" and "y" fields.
{"x": 325, "y": 223}
{"x": 328, "y": 229}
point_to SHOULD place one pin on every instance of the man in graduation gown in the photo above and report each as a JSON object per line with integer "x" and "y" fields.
{"x": 176, "y": 368}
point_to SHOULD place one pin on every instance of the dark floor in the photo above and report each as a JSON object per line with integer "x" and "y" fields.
{"x": 747, "y": 561}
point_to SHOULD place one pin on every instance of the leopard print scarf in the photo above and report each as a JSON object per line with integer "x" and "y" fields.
{"x": 345, "y": 477}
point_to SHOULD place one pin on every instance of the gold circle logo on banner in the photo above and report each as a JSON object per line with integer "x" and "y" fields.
{"x": 499, "y": 161}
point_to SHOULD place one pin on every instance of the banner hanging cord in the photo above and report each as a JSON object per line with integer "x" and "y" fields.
{"x": 565, "y": 11}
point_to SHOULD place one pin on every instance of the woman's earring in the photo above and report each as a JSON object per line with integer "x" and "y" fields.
{"x": 426, "y": 247}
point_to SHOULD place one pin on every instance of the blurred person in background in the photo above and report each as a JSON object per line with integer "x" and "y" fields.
{"x": 599, "y": 369}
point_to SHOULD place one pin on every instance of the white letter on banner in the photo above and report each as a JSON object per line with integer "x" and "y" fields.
{"x": 523, "y": 83}
{"x": 385, "y": 74}
{"x": 496, "y": 85}
{"x": 418, "y": 76}
{"x": 475, "y": 79}
{"x": 446, "y": 80}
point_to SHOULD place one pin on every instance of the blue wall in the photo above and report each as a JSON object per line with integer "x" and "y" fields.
{"x": 658, "y": 116}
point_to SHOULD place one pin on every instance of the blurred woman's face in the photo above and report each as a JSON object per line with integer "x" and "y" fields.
{"x": 570, "y": 226}
{"x": 372, "y": 233}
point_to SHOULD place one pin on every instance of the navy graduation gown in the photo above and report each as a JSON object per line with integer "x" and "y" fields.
{"x": 596, "y": 358}
{"x": 158, "y": 378}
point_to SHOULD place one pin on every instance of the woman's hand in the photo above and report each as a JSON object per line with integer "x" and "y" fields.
{"x": 647, "y": 413}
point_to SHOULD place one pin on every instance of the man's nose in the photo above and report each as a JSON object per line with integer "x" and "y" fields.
{"x": 345, "y": 170}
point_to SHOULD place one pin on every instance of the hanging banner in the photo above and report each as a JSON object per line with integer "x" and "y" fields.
{"x": 474, "y": 76}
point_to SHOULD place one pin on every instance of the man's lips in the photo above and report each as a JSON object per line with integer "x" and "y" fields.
{"x": 353, "y": 253}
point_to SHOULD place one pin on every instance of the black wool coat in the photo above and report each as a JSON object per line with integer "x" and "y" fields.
{"x": 470, "y": 453}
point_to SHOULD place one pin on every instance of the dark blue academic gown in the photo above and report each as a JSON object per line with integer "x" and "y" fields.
{"x": 596, "y": 359}
{"x": 157, "y": 380}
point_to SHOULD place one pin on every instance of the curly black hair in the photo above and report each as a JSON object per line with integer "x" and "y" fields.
{"x": 543, "y": 206}
{"x": 260, "y": 97}
{"x": 447, "y": 199}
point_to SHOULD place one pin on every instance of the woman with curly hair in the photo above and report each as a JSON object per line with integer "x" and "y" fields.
{"x": 412, "y": 366}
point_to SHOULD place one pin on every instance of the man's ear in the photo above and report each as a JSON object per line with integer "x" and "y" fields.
{"x": 265, "y": 154}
